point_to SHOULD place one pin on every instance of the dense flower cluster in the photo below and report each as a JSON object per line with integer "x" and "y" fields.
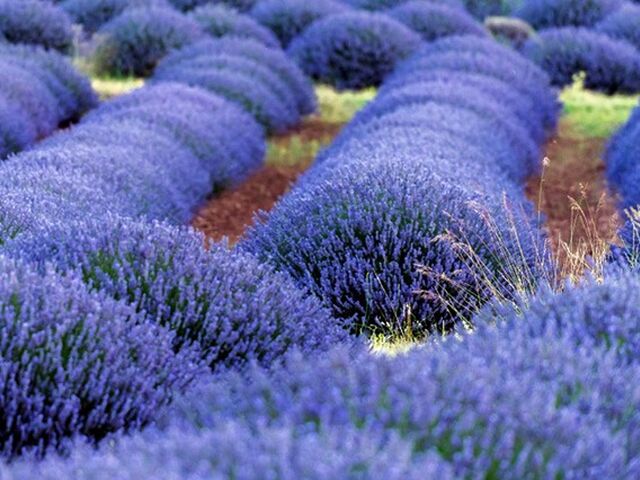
{"x": 136, "y": 40}
{"x": 623, "y": 24}
{"x": 157, "y": 152}
{"x": 622, "y": 160}
{"x": 560, "y": 13}
{"x": 73, "y": 362}
{"x": 288, "y": 18}
{"x": 354, "y": 49}
{"x": 39, "y": 91}
{"x": 35, "y": 22}
{"x": 610, "y": 65}
{"x": 260, "y": 79}
{"x": 227, "y": 305}
{"x": 433, "y": 21}
{"x": 92, "y": 14}
{"x": 524, "y": 399}
{"x": 220, "y": 21}
{"x": 361, "y": 230}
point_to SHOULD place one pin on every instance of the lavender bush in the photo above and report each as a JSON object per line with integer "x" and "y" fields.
{"x": 353, "y": 50}
{"x": 610, "y": 65}
{"x": 289, "y": 18}
{"x": 433, "y": 20}
{"x": 136, "y": 40}
{"x": 220, "y": 21}
{"x": 76, "y": 363}
{"x": 230, "y": 307}
{"x": 272, "y": 58}
{"x": 35, "y": 22}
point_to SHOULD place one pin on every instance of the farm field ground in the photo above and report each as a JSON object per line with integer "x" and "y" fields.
{"x": 319, "y": 240}
{"x": 581, "y": 215}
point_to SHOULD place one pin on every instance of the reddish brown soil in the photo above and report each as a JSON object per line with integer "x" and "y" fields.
{"x": 230, "y": 213}
{"x": 573, "y": 196}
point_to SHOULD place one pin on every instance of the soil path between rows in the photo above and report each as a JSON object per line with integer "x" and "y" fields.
{"x": 230, "y": 213}
{"x": 580, "y": 214}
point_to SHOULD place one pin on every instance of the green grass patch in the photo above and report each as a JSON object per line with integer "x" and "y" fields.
{"x": 107, "y": 87}
{"x": 595, "y": 115}
{"x": 300, "y": 146}
{"x": 340, "y": 107}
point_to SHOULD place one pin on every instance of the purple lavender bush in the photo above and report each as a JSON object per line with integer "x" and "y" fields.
{"x": 16, "y": 129}
{"x": 623, "y": 24}
{"x": 473, "y": 116}
{"x": 232, "y": 309}
{"x": 435, "y": 20}
{"x": 35, "y": 22}
{"x": 289, "y": 18}
{"x": 235, "y": 450}
{"x": 136, "y": 40}
{"x": 272, "y": 58}
{"x": 220, "y": 21}
{"x": 77, "y": 363}
{"x": 353, "y": 50}
{"x": 92, "y": 14}
{"x": 469, "y": 54}
{"x": 610, "y": 65}
{"x": 621, "y": 161}
{"x": 559, "y": 13}
{"x": 362, "y": 233}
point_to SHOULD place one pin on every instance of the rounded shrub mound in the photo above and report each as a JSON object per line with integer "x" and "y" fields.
{"x": 433, "y": 21}
{"x": 163, "y": 180}
{"x": 559, "y": 13}
{"x": 30, "y": 94}
{"x": 353, "y": 50}
{"x": 241, "y": 88}
{"x": 288, "y": 18}
{"x": 621, "y": 160}
{"x": 198, "y": 120}
{"x": 31, "y": 197}
{"x": 233, "y": 449}
{"x": 16, "y": 130}
{"x": 227, "y": 305}
{"x": 542, "y": 407}
{"x": 626, "y": 255}
{"x": 272, "y": 58}
{"x": 593, "y": 314}
{"x": 469, "y": 54}
{"x": 92, "y": 14}
{"x": 220, "y": 21}
{"x": 474, "y": 119}
{"x": 135, "y": 41}
{"x": 77, "y": 363}
{"x": 433, "y": 147}
{"x": 623, "y": 24}
{"x": 378, "y": 239}
{"x": 239, "y": 65}
{"x": 75, "y": 92}
{"x": 35, "y": 22}
{"x": 502, "y": 92}
{"x": 610, "y": 65}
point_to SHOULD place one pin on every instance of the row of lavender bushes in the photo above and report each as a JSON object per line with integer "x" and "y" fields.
{"x": 423, "y": 190}
{"x": 110, "y": 307}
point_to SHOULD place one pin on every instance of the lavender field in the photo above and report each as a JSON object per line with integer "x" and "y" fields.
{"x": 329, "y": 239}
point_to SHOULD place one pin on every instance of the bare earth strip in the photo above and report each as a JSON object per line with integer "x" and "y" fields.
{"x": 581, "y": 215}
